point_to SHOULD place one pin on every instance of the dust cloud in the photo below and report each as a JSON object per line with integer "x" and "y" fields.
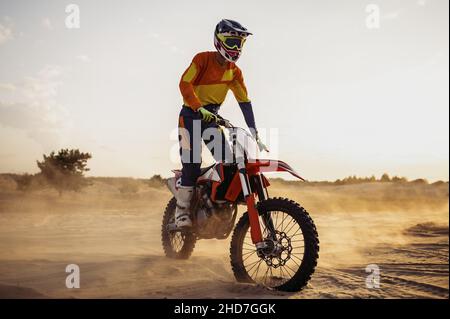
{"x": 112, "y": 231}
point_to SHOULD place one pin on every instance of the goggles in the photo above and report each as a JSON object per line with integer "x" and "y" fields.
{"x": 232, "y": 42}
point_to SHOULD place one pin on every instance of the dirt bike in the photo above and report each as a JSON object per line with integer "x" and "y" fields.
{"x": 274, "y": 244}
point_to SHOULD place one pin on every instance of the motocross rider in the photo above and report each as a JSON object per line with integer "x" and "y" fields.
{"x": 204, "y": 85}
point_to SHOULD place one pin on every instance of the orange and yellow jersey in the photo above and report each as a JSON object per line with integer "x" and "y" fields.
{"x": 207, "y": 82}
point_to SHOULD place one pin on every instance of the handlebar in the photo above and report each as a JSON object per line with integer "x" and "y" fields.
{"x": 227, "y": 124}
{"x": 224, "y": 122}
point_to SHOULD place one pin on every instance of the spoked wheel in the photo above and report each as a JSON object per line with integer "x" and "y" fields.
{"x": 176, "y": 244}
{"x": 292, "y": 247}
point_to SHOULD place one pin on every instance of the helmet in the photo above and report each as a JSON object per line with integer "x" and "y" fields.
{"x": 229, "y": 38}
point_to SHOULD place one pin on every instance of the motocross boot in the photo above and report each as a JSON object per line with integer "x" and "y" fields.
{"x": 183, "y": 195}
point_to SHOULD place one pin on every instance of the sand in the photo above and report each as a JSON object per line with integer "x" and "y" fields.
{"x": 115, "y": 240}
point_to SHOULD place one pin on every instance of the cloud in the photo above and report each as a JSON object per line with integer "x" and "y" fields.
{"x": 36, "y": 121}
{"x": 42, "y": 87}
{"x": 7, "y": 87}
{"x": 391, "y": 15}
{"x": 167, "y": 44}
{"x": 83, "y": 58}
{"x": 421, "y": 2}
{"x": 30, "y": 105}
{"x": 174, "y": 48}
{"x": 46, "y": 23}
{"x": 6, "y": 34}
{"x": 155, "y": 35}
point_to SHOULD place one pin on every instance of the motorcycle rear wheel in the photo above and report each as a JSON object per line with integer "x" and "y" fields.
{"x": 178, "y": 245}
{"x": 297, "y": 240}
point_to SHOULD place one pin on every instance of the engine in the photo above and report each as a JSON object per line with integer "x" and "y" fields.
{"x": 214, "y": 220}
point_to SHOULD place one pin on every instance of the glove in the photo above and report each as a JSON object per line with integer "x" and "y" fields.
{"x": 207, "y": 116}
{"x": 261, "y": 145}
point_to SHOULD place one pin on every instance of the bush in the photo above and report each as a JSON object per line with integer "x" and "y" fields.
{"x": 64, "y": 170}
{"x": 439, "y": 183}
{"x": 24, "y": 182}
{"x": 129, "y": 187}
{"x": 420, "y": 181}
{"x": 8, "y": 182}
{"x": 156, "y": 181}
{"x": 397, "y": 179}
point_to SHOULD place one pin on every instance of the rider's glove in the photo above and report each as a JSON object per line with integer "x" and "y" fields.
{"x": 207, "y": 116}
{"x": 261, "y": 145}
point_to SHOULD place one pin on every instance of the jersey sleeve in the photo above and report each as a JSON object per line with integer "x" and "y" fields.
{"x": 249, "y": 117}
{"x": 187, "y": 89}
{"x": 238, "y": 88}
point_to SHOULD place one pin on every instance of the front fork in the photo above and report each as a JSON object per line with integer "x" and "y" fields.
{"x": 253, "y": 215}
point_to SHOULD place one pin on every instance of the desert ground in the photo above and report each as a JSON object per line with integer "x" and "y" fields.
{"x": 114, "y": 237}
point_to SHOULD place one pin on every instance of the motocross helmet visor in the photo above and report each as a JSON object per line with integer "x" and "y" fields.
{"x": 233, "y": 42}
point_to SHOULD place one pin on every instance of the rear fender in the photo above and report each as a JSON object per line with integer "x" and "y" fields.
{"x": 177, "y": 173}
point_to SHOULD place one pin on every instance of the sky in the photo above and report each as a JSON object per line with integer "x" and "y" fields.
{"x": 339, "y": 95}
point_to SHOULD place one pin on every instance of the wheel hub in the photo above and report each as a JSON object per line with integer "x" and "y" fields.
{"x": 277, "y": 252}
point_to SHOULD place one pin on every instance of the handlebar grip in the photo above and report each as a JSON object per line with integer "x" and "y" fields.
{"x": 222, "y": 122}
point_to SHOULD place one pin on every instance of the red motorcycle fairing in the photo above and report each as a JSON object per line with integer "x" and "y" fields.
{"x": 218, "y": 168}
{"x": 254, "y": 168}
{"x": 215, "y": 174}
{"x": 263, "y": 165}
{"x": 235, "y": 187}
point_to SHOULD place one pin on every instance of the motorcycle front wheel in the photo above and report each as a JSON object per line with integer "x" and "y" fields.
{"x": 293, "y": 247}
